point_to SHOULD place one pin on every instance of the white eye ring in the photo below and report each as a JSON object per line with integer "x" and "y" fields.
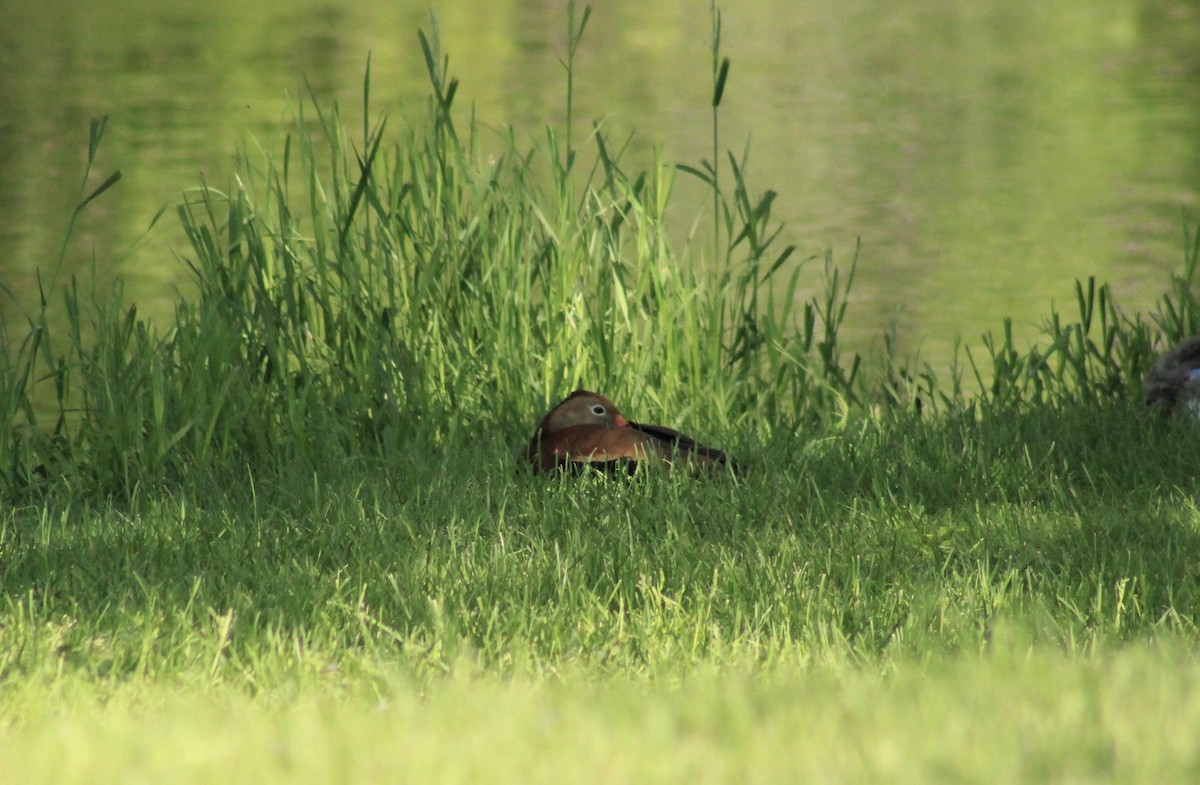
{"x": 598, "y": 410}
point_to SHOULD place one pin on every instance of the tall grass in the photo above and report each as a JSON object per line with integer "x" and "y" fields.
{"x": 356, "y": 291}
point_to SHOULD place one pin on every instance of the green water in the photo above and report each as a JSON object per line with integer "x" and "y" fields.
{"x": 986, "y": 153}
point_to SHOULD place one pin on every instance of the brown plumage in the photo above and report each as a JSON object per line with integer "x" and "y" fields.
{"x": 1174, "y": 382}
{"x": 585, "y": 431}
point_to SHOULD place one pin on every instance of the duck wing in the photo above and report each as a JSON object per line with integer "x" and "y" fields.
{"x": 675, "y": 442}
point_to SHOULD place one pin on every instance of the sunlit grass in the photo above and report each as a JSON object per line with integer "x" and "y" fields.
{"x": 1124, "y": 716}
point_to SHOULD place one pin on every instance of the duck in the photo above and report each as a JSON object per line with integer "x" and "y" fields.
{"x": 586, "y": 431}
{"x": 1174, "y": 381}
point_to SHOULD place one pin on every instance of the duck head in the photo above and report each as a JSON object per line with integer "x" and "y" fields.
{"x": 582, "y": 408}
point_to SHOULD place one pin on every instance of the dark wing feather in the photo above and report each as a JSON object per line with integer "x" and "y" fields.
{"x": 682, "y": 443}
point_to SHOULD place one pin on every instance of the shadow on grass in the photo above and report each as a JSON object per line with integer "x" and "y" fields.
{"x": 1081, "y": 523}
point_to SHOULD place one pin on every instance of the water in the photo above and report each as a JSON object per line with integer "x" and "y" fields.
{"x": 987, "y": 154}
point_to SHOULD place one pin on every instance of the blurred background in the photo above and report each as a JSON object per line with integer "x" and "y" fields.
{"x": 985, "y": 153}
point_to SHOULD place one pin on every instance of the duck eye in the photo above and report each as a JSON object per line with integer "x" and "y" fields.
{"x": 598, "y": 410}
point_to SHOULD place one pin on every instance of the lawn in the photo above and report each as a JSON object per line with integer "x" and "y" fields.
{"x": 1010, "y": 716}
{"x": 994, "y": 601}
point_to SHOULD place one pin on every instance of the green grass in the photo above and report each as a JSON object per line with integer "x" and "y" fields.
{"x": 907, "y": 539}
{"x": 287, "y": 536}
{"x": 1010, "y": 717}
{"x": 904, "y": 602}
